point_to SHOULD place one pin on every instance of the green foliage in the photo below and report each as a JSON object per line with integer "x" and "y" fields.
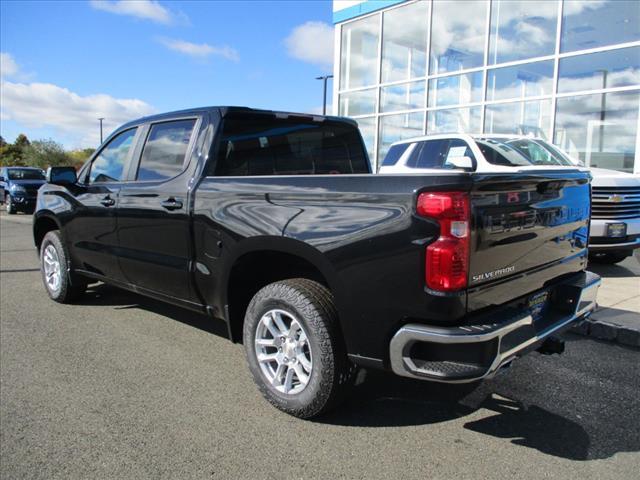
{"x": 45, "y": 153}
{"x": 40, "y": 153}
{"x": 12, "y": 154}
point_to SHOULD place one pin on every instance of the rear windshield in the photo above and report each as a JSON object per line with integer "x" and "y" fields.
{"x": 25, "y": 174}
{"x": 524, "y": 152}
{"x": 265, "y": 145}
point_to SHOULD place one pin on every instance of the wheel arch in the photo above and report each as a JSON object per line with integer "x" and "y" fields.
{"x": 260, "y": 261}
{"x": 43, "y": 223}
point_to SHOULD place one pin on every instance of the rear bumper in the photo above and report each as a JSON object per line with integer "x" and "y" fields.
{"x": 473, "y": 352}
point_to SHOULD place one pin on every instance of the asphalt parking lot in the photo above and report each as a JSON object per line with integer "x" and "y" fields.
{"x": 119, "y": 386}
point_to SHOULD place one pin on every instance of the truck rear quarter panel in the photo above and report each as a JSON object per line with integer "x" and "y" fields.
{"x": 359, "y": 231}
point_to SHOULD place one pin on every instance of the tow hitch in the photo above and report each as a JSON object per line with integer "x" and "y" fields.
{"x": 552, "y": 345}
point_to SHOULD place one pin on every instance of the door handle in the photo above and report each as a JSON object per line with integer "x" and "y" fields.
{"x": 108, "y": 201}
{"x": 172, "y": 203}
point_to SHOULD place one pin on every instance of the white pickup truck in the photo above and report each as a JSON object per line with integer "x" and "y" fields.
{"x": 615, "y": 215}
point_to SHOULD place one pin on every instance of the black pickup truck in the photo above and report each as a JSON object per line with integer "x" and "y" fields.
{"x": 274, "y": 224}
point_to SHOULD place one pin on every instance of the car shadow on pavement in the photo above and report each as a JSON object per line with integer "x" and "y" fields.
{"x": 610, "y": 271}
{"x": 384, "y": 400}
{"x": 106, "y": 295}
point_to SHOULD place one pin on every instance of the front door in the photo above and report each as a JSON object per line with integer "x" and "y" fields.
{"x": 153, "y": 213}
{"x": 91, "y": 232}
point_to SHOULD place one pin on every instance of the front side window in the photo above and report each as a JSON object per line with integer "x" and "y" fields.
{"x": 262, "y": 145}
{"x": 164, "y": 152}
{"x": 109, "y": 164}
{"x": 439, "y": 153}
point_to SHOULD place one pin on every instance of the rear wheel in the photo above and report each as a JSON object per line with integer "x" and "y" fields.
{"x": 294, "y": 348}
{"x": 609, "y": 257}
{"x": 11, "y": 208}
{"x": 61, "y": 285}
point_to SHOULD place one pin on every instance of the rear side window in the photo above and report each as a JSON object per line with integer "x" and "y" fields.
{"x": 265, "y": 145}
{"x": 164, "y": 152}
{"x": 436, "y": 153}
{"x": 108, "y": 165}
{"x": 394, "y": 154}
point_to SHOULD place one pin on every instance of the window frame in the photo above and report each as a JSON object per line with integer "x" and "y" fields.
{"x": 136, "y": 160}
{"x": 85, "y": 171}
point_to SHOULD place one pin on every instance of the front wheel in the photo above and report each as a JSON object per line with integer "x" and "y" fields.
{"x": 62, "y": 286}
{"x": 294, "y": 348}
{"x": 8, "y": 202}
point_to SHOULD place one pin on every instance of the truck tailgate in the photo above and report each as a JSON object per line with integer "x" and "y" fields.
{"x": 528, "y": 230}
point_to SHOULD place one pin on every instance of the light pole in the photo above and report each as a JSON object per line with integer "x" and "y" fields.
{"x": 324, "y": 79}
{"x": 101, "y": 119}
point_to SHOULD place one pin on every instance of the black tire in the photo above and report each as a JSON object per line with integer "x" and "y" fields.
{"x": 332, "y": 373}
{"x": 71, "y": 286}
{"x": 608, "y": 258}
{"x": 11, "y": 208}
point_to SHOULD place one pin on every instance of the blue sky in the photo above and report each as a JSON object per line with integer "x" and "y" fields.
{"x": 66, "y": 63}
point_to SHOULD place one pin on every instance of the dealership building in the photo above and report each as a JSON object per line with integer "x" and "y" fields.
{"x": 564, "y": 70}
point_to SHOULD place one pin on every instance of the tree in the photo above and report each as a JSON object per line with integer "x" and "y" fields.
{"x": 46, "y": 153}
{"x": 22, "y": 141}
{"x": 12, "y": 154}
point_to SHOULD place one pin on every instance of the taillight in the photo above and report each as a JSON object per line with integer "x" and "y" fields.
{"x": 447, "y": 264}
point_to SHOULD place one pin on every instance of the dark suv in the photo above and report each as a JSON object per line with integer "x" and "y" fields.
{"x": 19, "y": 187}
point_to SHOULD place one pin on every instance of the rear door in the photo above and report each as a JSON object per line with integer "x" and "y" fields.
{"x": 153, "y": 212}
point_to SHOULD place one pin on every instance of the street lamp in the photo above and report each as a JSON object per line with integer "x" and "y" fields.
{"x": 101, "y": 119}
{"x": 324, "y": 79}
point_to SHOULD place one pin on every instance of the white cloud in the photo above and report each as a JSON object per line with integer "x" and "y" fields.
{"x": 72, "y": 116}
{"x": 143, "y": 9}
{"x": 312, "y": 42}
{"x": 200, "y": 50}
{"x": 8, "y": 66}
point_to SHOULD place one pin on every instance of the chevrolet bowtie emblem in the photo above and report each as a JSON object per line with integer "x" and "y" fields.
{"x": 616, "y": 198}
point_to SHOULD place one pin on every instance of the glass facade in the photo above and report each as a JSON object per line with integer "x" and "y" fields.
{"x": 564, "y": 70}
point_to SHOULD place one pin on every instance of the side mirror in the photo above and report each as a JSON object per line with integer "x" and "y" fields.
{"x": 62, "y": 176}
{"x": 1, "y": 179}
{"x": 460, "y": 162}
